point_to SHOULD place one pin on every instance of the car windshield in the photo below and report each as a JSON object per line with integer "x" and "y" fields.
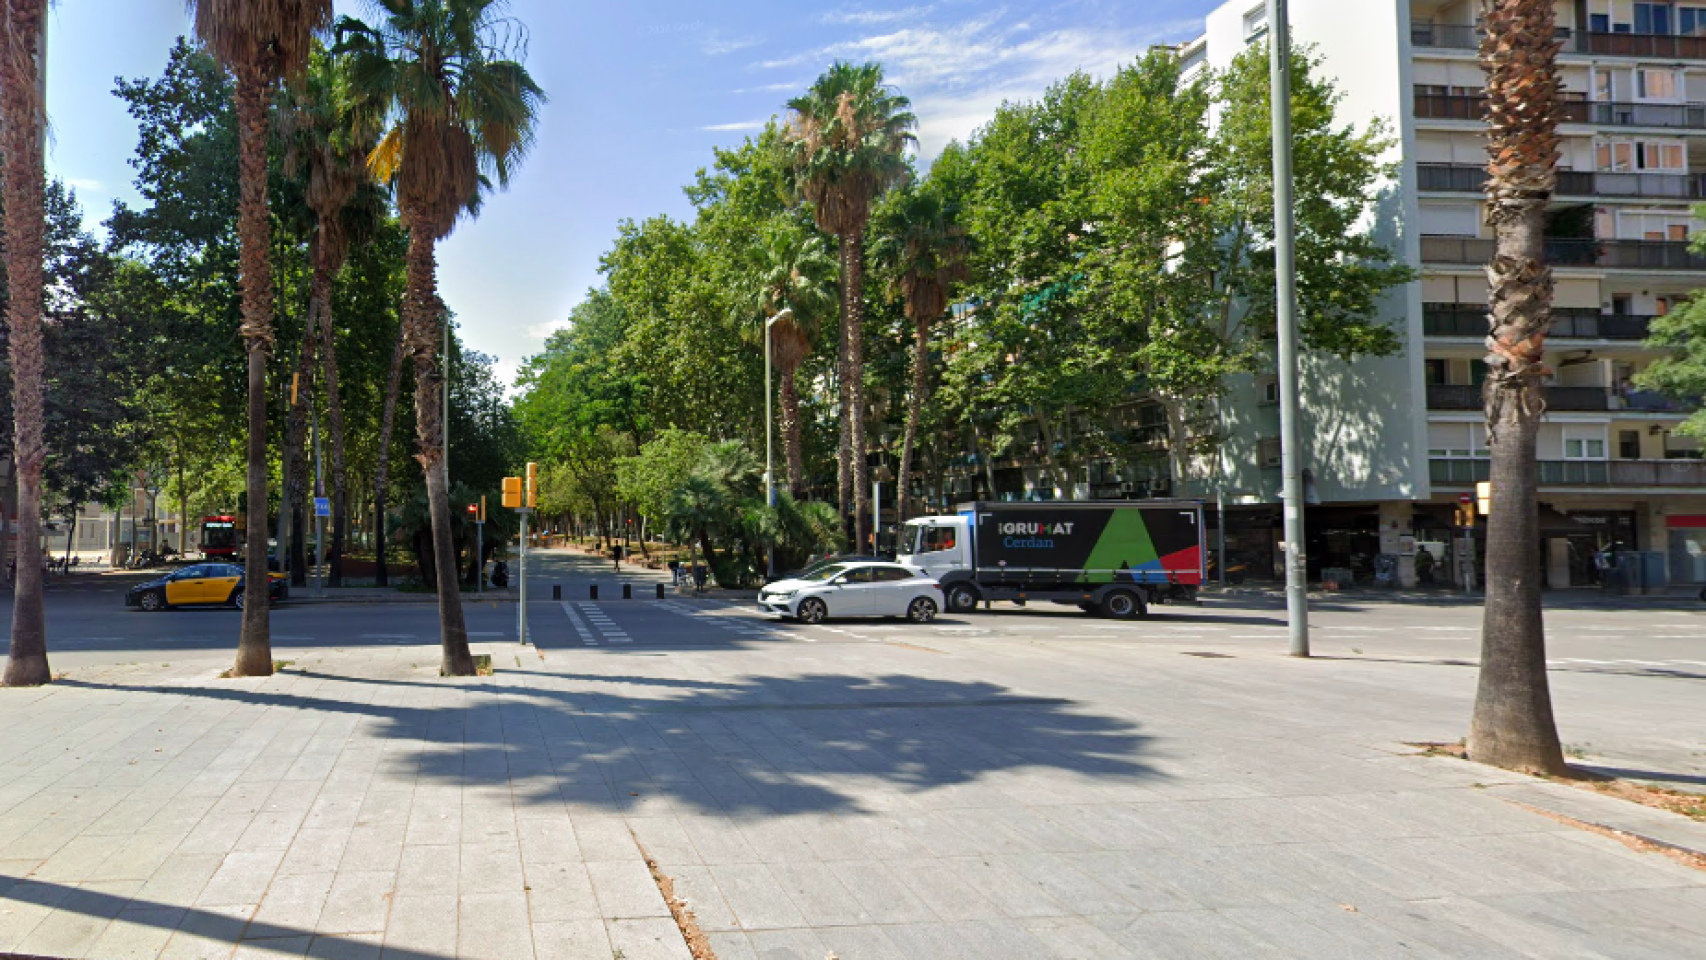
{"x": 823, "y": 573}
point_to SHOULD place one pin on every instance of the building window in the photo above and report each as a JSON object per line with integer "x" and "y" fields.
{"x": 1438, "y": 373}
{"x": 1256, "y": 23}
{"x": 1652, "y": 18}
{"x": 1583, "y": 447}
{"x": 1629, "y": 444}
{"x": 1599, "y": 22}
{"x": 1656, "y": 85}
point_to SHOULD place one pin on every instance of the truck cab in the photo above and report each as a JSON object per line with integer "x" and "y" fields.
{"x": 937, "y": 545}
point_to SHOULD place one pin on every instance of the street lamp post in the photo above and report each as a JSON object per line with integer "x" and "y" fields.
{"x": 769, "y": 455}
{"x": 1285, "y": 284}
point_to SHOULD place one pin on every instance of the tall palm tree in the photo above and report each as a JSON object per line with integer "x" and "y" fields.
{"x": 847, "y": 140}
{"x": 925, "y": 253}
{"x": 260, "y": 42}
{"x": 795, "y": 271}
{"x": 22, "y": 116}
{"x": 327, "y": 144}
{"x": 462, "y": 112}
{"x": 1513, "y": 724}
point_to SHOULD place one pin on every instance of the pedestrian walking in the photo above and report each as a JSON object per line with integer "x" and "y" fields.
{"x": 675, "y": 572}
{"x": 616, "y": 555}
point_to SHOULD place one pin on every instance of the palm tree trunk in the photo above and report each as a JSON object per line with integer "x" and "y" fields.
{"x": 854, "y": 389}
{"x": 914, "y": 410}
{"x": 420, "y": 312}
{"x": 324, "y": 270}
{"x": 844, "y": 448}
{"x": 254, "y": 649}
{"x": 791, "y": 433}
{"x": 21, "y": 118}
{"x": 382, "y": 473}
{"x": 296, "y": 453}
{"x": 1513, "y": 725}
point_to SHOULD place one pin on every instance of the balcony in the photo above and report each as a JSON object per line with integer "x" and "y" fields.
{"x": 1583, "y": 473}
{"x": 1442, "y": 36}
{"x": 1456, "y": 396}
{"x": 1470, "y": 320}
{"x": 1669, "y": 116}
{"x": 1604, "y": 254}
{"x": 1468, "y": 178}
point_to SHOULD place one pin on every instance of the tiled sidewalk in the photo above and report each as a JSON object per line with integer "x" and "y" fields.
{"x": 873, "y": 800}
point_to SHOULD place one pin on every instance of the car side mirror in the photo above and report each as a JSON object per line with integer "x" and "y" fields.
{"x": 837, "y": 581}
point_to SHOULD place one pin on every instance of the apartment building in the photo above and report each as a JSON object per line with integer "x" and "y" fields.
{"x": 1393, "y": 443}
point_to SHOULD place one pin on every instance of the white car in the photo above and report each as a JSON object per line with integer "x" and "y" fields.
{"x": 855, "y": 590}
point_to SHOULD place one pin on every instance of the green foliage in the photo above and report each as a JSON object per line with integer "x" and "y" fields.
{"x": 1681, "y": 374}
{"x": 647, "y": 479}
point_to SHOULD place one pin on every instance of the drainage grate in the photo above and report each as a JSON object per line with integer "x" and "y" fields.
{"x": 1207, "y": 656}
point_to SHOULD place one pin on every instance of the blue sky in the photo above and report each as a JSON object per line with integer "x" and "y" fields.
{"x": 640, "y": 91}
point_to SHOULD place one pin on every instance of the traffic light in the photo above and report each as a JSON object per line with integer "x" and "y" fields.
{"x": 1484, "y": 497}
{"x": 482, "y": 508}
{"x": 473, "y": 512}
{"x": 295, "y": 382}
{"x": 532, "y": 485}
{"x": 512, "y": 491}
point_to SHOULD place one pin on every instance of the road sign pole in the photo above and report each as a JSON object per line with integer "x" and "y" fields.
{"x": 521, "y": 586}
{"x": 479, "y": 556}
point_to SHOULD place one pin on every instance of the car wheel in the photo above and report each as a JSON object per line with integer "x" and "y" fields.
{"x": 921, "y": 610}
{"x": 237, "y": 597}
{"x": 812, "y": 610}
{"x": 962, "y": 599}
{"x": 153, "y": 602}
{"x": 1122, "y": 605}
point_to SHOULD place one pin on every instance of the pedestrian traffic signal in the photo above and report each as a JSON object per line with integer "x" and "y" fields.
{"x": 1484, "y": 497}
{"x": 474, "y": 511}
{"x": 512, "y": 491}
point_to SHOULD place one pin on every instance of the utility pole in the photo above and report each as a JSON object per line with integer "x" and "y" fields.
{"x": 1285, "y": 289}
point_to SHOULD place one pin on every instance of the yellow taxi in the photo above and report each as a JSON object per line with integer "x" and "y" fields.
{"x": 210, "y": 584}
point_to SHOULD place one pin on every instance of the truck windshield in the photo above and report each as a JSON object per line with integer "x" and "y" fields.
{"x": 910, "y": 538}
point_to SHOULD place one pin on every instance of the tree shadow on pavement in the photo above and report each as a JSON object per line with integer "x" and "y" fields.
{"x": 217, "y": 931}
{"x": 753, "y": 745}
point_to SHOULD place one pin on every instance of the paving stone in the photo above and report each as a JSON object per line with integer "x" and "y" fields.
{"x": 647, "y": 940}
{"x": 561, "y": 892}
{"x": 358, "y": 903}
{"x": 495, "y": 927}
{"x": 421, "y": 926}
{"x": 572, "y": 940}
{"x": 625, "y": 890}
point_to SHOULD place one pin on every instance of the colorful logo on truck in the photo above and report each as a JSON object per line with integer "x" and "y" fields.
{"x": 1129, "y": 544}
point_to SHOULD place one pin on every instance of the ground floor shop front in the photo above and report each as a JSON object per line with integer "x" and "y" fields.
{"x": 1634, "y": 544}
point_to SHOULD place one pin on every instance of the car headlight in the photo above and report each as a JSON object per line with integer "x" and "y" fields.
{"x": 786, "y": 595}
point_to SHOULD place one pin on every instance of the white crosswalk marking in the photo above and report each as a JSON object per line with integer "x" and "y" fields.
{"x": 579, "y": 625}
{"x": 607, "y": 627}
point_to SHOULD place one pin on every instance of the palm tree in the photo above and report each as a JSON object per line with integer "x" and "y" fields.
{"x": 22, "y": 116}
{"x": 327, "y": 144}
{"x": 847, "y": 140}
{"x": 462, "y": 112}
{"x": 260, "y": 43}
{"x": 793, "y": 271}
{"x": 925, "y": 252}
{"x": 1513, "y": 725}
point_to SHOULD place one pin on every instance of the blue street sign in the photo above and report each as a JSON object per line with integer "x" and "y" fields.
{"x": 322, "y": 506}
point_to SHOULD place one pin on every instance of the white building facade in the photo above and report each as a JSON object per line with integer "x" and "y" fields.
{"x": 1394, "y": 442}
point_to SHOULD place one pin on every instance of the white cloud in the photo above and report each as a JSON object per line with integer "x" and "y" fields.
{"x": 83, "y": 184}
{"x": 540, "y": 331}
{"x": 715, "y": 44}
{"x": 958, "y": 73}
{"x": 868, "y": 17}
{"x": 743, "y": 126}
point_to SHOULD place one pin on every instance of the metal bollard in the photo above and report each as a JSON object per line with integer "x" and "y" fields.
{"x": 594, "y": 589}
{"x": 627, "y": 591}
{"x": 556, "y": 591}
{"x": 660, "y": 591}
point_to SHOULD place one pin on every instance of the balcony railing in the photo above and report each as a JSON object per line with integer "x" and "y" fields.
{"x": 1468, "y": 178}
{"x": 1670, "y": 116}
{"x": 1562, "y": 473}
{"x": 1606, "y": 254}
{"x": 1455, "y": 36}
{"x": 1455, "y": 396}
{"x": 1469, "y": 320}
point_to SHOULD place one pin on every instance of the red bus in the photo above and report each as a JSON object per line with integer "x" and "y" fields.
{"x": 219, "y": 537}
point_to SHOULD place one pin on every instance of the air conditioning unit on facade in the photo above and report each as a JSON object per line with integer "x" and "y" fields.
{"x": 1269, "y": 453}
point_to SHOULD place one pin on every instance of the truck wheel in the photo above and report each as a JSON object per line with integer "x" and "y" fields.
{"x": 962, "y": 599}
{"x": 1122, "y": 605}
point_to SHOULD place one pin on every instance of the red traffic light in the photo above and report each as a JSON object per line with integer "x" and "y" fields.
{"x": 473, "y": 509}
